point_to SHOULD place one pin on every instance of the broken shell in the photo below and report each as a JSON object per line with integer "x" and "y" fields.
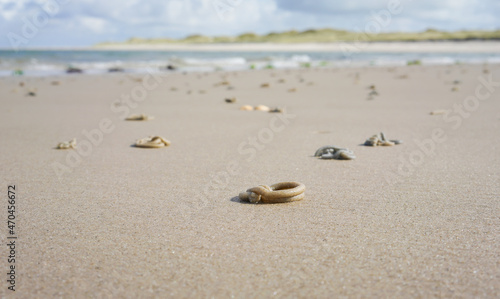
{"x": 230, "y": 100}
{"x": 67, "y": 145}
{"x": 262, "y": 108}
{"x": 437, "y": 112}
{"x": 372, "y": 141}
{"x": 276, "y": 110}
{"x": 333, "y": 152}
{"x": 246, "y": 108}
{"x": 152, "y": 142}
{"x": 377, "y": 140}
{"x": 139, "y": 117}
{"x": 265, "y": 85}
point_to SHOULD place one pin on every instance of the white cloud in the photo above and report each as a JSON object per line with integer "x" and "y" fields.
{"x": 85, "y": 22}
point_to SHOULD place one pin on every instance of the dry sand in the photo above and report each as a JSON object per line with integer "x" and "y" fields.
{"x": 142, "y": 223}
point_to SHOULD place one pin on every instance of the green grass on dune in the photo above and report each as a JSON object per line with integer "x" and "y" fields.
{"x": 321, "y": 36}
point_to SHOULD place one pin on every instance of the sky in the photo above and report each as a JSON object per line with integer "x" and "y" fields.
{"x": 74, "y": 23}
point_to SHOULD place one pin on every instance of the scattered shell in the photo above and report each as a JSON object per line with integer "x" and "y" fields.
{"x": 262, "y": 108}
{"x": 276, "y": 110}
{"x": 67, "y": 145}
{"x": 377, "y": 140}
{"x": 281, "y": 81}
{"x": 438, "y": 112}
{"x": 333, "y": 152}
{"x": 455, "y": 89}
{"x": 139, "y": 117}
{"x": 231, "y": 100}
{"x": 21, "y": 84}
{"x": 31, "y": 94}
{"x": 292, "y": 90}
{"x": 246, "y": 108}
{"x": 202, "y": 91}
{"x": 173, "y": 89}
{"x": 265, "y": 85}
{"x": 152, "y": 142}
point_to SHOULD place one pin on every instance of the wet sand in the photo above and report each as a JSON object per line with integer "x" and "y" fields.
{"x": 108, "y": 219}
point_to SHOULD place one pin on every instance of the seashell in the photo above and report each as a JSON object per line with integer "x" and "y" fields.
{"x": 386, "y": 143}
{"x": 372, "y": 141}
{"x": 67, "y": 145}
{"x": 277, "y": 193}
{"x": 230, "y": 100}
{"x": 262, "y": 108}
{"x": 265, "y": 85}
{"x": 292, "y": 90}
{"x": 438, "y": 112}
{"x": 276, "y": 110}
{"x": 377, "y": 140}
{"x": 455, "y": 89}
{"x": 333, "y": 152}
{"x": 139, "y": 117}
{"x": 152, "y": 142}
{"x": 246, "y": 108}
{"x": 281, "y": 81}
{"x": 173, "y": 89}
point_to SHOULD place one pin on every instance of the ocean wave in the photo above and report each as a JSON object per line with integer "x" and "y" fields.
{"x": 56, "y": 62}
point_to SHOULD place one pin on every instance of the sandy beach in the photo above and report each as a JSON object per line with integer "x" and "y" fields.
{"x": 109, "y": 220}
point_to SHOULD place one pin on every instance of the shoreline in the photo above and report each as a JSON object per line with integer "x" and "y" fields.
{"x": 362, "y": 47}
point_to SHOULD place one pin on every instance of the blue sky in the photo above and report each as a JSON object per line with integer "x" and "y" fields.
{"x": 34, "y": 23}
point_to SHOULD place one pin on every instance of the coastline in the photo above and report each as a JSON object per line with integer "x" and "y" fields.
{"x": 391, "y": 47}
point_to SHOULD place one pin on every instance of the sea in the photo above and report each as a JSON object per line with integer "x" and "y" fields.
{"x": 56, "y": 62}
